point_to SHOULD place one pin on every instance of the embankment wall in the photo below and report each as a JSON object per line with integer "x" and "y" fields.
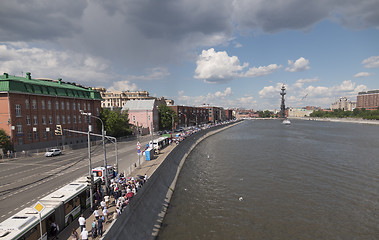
{"x": 142, "y": 218}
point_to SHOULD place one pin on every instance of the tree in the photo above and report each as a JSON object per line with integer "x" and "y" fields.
{"x": 5, "y": 142}
{"x": 265, "y": 114}
{"x": 116, "y": 123}
{"x": 167, "y": 117}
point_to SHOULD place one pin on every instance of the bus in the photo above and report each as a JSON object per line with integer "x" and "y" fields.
{"x": 160, "y": 143}
{"x": 61, "y": 206}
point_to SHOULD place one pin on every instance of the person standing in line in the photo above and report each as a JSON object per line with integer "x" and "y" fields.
{"x": 96, "y": 214}
{"x": 94, "y": 229}
{"x": 84, "y": 234}
{"x": 100, "y": 225}
{"x": 74, "y": 234}
{"x": 82, "y": 222}
{"x": 54, "y": 230}
{"x": 105, "y": 213}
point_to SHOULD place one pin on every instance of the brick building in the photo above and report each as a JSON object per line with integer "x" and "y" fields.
{"x": 30, "y": 109}
{"x": 190, "y": 116}
{"x": 368, "y": 100}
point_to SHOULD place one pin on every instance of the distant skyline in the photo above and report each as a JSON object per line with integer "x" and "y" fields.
{"x": 221, "y": 52}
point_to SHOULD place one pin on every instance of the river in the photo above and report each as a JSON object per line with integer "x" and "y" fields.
{"x": 264, "y": 180}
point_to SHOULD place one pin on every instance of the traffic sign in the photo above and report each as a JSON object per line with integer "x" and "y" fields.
{"x": 39, "y": 207}
{"x": 138, "y": 147}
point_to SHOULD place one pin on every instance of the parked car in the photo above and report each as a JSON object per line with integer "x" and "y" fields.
{"x": 53, "y": 152}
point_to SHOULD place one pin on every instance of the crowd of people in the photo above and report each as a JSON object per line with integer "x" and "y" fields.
{"x": 122, "y": 190}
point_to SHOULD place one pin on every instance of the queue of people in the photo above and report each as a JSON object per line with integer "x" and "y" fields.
{"x": 122, "y": 191}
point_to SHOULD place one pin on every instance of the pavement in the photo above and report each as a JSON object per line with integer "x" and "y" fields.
{"x": 147, "y": 167}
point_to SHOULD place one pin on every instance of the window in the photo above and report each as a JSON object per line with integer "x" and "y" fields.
{"x": 43, "y": 104}
{"x": 35, "y": 120}
{"x": 20, "y": 141}
{"x": 84, "y": 106}
{"x": 68, "y": 119}
{"x": 44, "y": 120}
{"x": 52, "y": 134}
{"x": 50, "y": 119}
{"x": 58, "y": 120}
{"x": 56, "y": 105}
{"x": 19, "y": 127}
{"x": 134, "y": 118}
{"x": 73, "y": 106}
{"x": 80, "y": 119}
{"x": 63, "y": 120}
{"x": 36, "y": 137}
{"x": 49, "y": 105}
{"x": 68, "y": 105}
{"x": 62, "y": 105}
{"x": 97, "y": 111}
{"x": 27, "y": 104}
{"x": 28, "y": 120}
{"x": 18, "y": 110}
{"x": 30, "y": 136}
{"x": 44, "y": 134}
{"x": 89, "y": 106}
{"x": 74, "y": 118}
{"x": 78, "y": 106}
{"x": 34, "y": 104}
{"x": 85, "y": 118}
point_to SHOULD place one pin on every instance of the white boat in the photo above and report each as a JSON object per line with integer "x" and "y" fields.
{"x": 286, "y": 122}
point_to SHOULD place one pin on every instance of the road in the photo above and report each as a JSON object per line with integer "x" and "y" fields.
{"x": 25, "y": 180}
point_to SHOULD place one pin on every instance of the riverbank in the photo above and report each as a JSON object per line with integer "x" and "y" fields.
{"x": 144, "y": 214}
{"x": 345, "y": 120}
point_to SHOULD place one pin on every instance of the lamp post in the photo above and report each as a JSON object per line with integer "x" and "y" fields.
{"x": 103, "y": 139}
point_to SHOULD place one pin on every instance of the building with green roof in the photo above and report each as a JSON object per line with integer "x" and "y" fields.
{"x": 31, "y": 108}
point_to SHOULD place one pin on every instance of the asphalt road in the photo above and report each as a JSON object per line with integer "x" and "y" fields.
{"x": 25, "y": 180}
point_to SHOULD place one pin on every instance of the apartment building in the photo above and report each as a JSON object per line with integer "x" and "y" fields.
{"x": 30, "y": 109}
{"x": 368, "y": 100}
{"x": 190, "y": 116}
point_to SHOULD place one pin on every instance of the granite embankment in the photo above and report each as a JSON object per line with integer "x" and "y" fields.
{"x": 143, "y": 216}
{"x": 346, "y": 120}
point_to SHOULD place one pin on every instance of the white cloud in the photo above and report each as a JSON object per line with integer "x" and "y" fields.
{"x": 300, "y": 96}
{"x": 363, "y": 74}
{"x": 308, "y": 80}
{"x": 43, "y": 63}
{"x": 216, "y": 98}
{"x": 371, "y": 62}
{"x": 216, "y": 67}
{"x": 299, "y": 65}
{"x": 262, "y": 71}
{"x": 123, "y": 86}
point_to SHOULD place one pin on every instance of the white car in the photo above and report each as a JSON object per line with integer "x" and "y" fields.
{"x": 53, "y": 152}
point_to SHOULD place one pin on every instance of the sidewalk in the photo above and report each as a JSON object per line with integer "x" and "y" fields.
{"x": 147, "y": 167}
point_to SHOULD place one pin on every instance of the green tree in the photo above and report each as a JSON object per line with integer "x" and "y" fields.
{"x": 116, "y": 123}
{"x": 265, "y": 114}
{"x": 5, "y": 142}
{"x": 167, "y": 117}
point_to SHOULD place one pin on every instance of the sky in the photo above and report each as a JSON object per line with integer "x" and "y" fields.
{"x": 227, "y": 53}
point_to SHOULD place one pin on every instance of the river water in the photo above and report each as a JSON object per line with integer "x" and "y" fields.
{"x": 264, "y": 180}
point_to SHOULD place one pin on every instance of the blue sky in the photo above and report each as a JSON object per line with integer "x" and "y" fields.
{"x": 220, "y": 52}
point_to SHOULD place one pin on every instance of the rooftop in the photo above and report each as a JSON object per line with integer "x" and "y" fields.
{"x": 139, "y": 105}
{"x": 29, "y": 85}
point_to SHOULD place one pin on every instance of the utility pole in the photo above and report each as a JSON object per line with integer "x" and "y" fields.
{"x": 90, "y": 167}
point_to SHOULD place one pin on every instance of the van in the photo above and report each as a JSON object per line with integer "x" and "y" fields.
{"x": 100, "y": 172}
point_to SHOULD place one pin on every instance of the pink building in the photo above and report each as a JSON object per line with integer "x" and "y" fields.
{"x": 143, "y": 114}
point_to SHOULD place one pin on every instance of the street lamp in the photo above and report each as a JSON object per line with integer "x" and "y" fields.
{"x": 103, "y": 138}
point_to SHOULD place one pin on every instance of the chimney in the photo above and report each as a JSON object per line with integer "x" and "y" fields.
{"x": 28, "y": 76}
{"x": 6, "y": 75}
{"x": 60, "y": 80}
